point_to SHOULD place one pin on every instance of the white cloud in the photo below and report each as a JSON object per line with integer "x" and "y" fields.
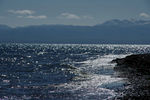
{"x": 34, "y": 17}
{"x": 69, "y": 16}
{"x": 37, "y": 17}
{"x": 144, "y": 15}
{"x": 29, "y": 14}
{"x": 73, "y": 16}
{"x": 22, "y": 12}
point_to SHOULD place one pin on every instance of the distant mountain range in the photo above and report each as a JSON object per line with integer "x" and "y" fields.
{"x": 113, "y": 31}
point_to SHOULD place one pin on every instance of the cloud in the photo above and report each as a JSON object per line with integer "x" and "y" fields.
{"x": 34, "y": 17}
{"x": 29, "y": 14}
{"x": 37, "y": 17}
{"x": 22, "y": 12}
{"x": 144, "y": 15}
{"x": 73, "y": 16}
{"x": 69, "y": 16}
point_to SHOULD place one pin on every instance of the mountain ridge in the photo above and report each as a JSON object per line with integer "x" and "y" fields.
{"x": 113, "y": 31}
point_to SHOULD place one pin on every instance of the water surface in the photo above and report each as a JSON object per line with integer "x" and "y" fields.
{"x": 63, "y": 71}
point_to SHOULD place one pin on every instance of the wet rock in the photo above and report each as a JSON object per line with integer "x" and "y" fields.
{"x": 136, "y": 68}
{"x": 140, "y": 62}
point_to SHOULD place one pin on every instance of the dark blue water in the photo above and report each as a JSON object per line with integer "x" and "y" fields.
{"x": 62, "y": 71}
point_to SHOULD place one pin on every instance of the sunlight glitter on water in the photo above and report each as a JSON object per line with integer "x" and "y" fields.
{"x": 62, "y": 71}
{"x": 95, "y": 85}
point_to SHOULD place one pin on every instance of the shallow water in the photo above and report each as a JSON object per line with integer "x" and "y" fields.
{"x": 63, "y": 71}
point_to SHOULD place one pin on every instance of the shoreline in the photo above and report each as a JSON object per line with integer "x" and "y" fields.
{"x": 136, "y": 68}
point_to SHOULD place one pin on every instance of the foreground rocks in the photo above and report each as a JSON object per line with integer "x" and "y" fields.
{"x": 136, "y": 68}
{"x": 141, "y": 62}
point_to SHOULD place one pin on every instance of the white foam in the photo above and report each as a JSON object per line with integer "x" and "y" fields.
{"x": 91, "y": 86}
{"x": 102, "y": 61}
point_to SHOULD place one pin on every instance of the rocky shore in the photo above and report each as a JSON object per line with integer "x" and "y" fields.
{"x": 136, "y": 69}
{"x": 140, "y": 62}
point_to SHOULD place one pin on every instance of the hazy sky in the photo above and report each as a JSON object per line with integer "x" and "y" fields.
{"x": 72, "y": 12}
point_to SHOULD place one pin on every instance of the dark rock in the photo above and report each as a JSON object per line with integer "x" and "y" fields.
{"x": 141, "y": 61}
{"x": 136, "y": 69}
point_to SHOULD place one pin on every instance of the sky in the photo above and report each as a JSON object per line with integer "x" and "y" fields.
{"x": 70, "y": 12}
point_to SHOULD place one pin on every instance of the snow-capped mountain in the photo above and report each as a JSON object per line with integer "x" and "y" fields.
{"x": 126, "y": 22}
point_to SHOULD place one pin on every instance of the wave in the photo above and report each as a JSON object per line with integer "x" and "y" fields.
{"x": 95, "y": 85}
